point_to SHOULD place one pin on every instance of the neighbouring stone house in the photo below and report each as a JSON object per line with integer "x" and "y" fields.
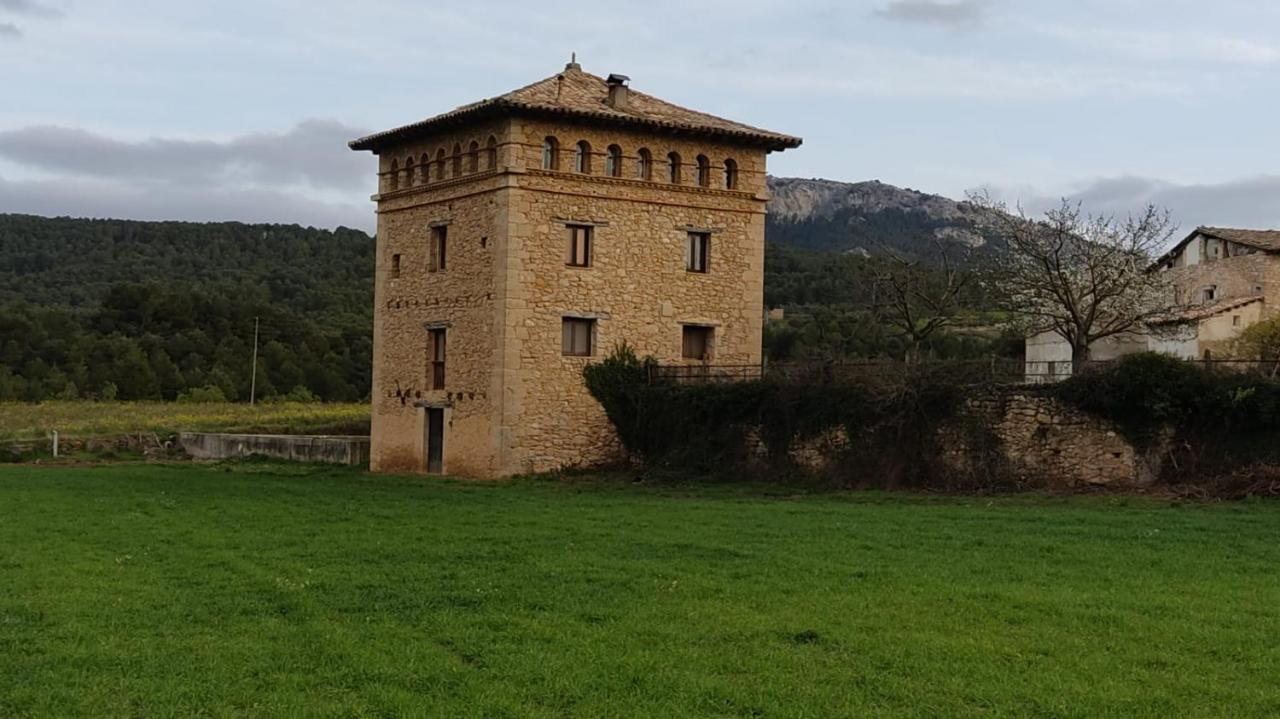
{"x": 1222, "y": 281}
{"x": 523, "y": 236}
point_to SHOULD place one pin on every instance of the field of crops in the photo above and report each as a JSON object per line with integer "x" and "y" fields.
{"x": 20, "y": 421}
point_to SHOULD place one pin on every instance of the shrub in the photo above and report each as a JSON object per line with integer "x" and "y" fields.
{"x": 202, "y": 395}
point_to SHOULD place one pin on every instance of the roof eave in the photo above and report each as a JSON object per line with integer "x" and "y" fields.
{"x": 772, "y": 142}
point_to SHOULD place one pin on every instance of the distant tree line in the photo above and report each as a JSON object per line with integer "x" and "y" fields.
{"x": 118, "y": 309}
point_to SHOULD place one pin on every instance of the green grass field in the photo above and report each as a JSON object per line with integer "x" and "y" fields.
{"x": 19, "y": 421}
{"x": 267, "y": 590}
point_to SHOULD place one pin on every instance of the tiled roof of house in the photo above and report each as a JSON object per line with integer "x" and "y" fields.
{"x": 1195, "y": 313}
{"x": 577, "y": 94}
{"x": 1268, "y": 240}
{"x": 1265, "y": 240}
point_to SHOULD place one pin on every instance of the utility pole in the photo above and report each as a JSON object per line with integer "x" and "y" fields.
{"x": 253, "y": 381}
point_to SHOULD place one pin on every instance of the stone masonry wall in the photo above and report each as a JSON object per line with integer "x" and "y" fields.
{"x": 637, "y": 287}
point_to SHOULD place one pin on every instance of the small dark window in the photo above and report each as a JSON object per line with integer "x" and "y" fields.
{"x": 613, "y": 162}
{"x": 484, "y": 241}
{"x": 437, "y": 358}
{"x": 673, "y": 168}
{"x": 696, "y": 342}
{"x": 395, "y": 174}
{"x": 730, "y": 174}
{"x": 408, "y": 171}
{"x": 579, "y": 254}
{"x": 440, "y": 164}
{"x": 644, "y": 164}
{"x": 424, "y": 168}
{"x": 550, "y": 154}
{"x": 575, "y": 336}
{"x": 457, "y": 160}
{"x": 395, "y": 265}
{"x": 704, "y": 171}
{"x": 1235, "y": 320}
{"x": 491, "y": 153}
{"x": 439, "y": 247}
{"x": 473, "y": 157}
{"x": 582, "y": 158}
{"x": 698, "y": 252}
{"x": 1210, "y": 293}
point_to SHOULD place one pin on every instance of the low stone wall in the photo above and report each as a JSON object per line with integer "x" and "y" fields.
{"x": 349, "y": 450}
{"x": 1041, "y": 441}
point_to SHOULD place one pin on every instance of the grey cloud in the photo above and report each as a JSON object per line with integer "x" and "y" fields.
{"x": 94, "y": 198}
{"x": 314, "y": 152}
{"x": 956, "y": 15}
{"x": 9, "y": 31}
{"x": 29, "y": 7}
{"x": 1248, "y": 202}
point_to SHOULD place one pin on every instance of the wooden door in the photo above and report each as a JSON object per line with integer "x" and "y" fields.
{"x": 435, "y": 440}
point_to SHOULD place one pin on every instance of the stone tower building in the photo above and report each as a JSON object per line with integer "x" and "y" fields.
{"x": 524, "y": 236}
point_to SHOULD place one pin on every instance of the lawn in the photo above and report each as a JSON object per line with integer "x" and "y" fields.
{"x": 20, "y": 420}
{"x": 265, "y": 590}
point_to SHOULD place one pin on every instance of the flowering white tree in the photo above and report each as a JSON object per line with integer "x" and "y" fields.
{"x": 1083, "y": 277}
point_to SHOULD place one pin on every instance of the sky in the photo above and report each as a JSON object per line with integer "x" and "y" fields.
{"x": 241, "y": 110}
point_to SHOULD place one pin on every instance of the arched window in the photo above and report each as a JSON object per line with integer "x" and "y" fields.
{"x": 440, "y": 164}
{"x": 704, "y": 171}
{"x": 473, "y": 157}
{"x": 582, "y": 157}
{"x": 424, "y": 168}
{"x": 551, "y": 154}
{"x": 491, "y": 154}
{"x": 730, "y": 174}
{"x": 644, "y": 164}
{"x": 673, "y": 168}
{"x": 613, "y": 162}
{"x": 395, "y": 174}
{"x": 456, "y": 160}
{"x": 408, "y": 171}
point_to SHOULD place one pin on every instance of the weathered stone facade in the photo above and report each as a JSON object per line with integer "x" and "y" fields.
{"x": 512, "y": 400}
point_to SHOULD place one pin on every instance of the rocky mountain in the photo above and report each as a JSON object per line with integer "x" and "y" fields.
{"x": 865, "y": 217}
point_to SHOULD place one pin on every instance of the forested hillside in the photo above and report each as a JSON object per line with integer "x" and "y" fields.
{"x": 156, "y": 310}
{"x": 165, "y": 310}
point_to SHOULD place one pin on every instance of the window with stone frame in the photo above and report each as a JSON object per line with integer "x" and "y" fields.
{"x": 698, "y": 251}
{"x": 579, "y": 250}
{"x": 394, "y": 176}
{"x": 437, "y": 349}
{"x": 1209, "y": 294}
{"x": 730, "y": 174}
{"x": 704, "y": 171}
{"x": 395, "y": 265}
{"x": 439, "y": 248}
{"x": 582, "y": 157}
{"x": 613, "y": 161}
{"x": 577, "y": 336}
{"x": 673, "y": 168}
{"x": 644, "y": 164}
{"x": 491, "y": 154}
{"x": 473, "y": 157}
{"x": 550, "y": 154}
{"x": 456, "y": 160}
{"x": 695, "y": 342}
{"x": 440, "y": 164}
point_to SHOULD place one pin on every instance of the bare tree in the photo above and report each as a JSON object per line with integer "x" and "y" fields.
{"x": 1083, "y": 277}
{"x": 918, "y": 299}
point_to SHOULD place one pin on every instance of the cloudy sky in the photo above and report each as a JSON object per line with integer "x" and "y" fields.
{"x": 241, "y": 109}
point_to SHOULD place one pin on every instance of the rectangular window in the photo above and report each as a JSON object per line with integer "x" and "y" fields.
{"x": 698, "y": 251}
{"x": 439, "y": 243}
{"x": 395, "y": 265}
{"x": 437, "y": 358}
{"x": 696, "y": 342}
{"x": 579, "y": 254}
{"x": 1210, "y": 293}
{"x": 1235, "y": 320}
{"x": 576, "y": 336}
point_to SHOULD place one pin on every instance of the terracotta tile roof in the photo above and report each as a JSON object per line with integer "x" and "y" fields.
{"x": 579, "y": 94}
{"x": 1199, "y": 312}
{"x": 1265, "y": 240}
{"x": 1268, "y": 240}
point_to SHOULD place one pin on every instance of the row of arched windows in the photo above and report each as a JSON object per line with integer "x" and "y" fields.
{"x": 423, "y": 171}
{"x": 613, "y": 164}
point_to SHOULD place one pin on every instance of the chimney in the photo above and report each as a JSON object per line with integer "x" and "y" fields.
{"x": 619, "y": 94}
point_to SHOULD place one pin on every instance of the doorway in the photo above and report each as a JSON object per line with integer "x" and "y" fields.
{"x": 435, "y": 440}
